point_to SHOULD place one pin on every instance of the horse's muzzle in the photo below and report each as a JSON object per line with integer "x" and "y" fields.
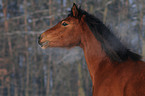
{"x": 42, "y": 44}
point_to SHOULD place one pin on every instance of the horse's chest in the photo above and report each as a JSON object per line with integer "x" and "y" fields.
{"x": 107, "y": 87}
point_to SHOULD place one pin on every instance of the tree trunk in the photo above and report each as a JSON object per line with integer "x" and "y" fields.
{"x": 143, "y": 49}
{"x": 50, "y": 12}
{"x": 48, "y": 76}
{"x": 6, "y": 26}
{"x": 8, "y": 37}
{"x": 26, "y": 45}
{"x": 105, "y": 14}
{"x": 80, "y": 88}
{"x": 141, "y": 30}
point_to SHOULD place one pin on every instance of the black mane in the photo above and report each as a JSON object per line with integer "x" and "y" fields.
{"x": 109, "y": 42}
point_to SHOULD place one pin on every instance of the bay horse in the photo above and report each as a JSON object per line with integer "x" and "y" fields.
{"x": 114, "y": 69}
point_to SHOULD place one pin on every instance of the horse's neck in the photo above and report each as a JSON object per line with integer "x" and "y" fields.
{"x": 94, "y": 54}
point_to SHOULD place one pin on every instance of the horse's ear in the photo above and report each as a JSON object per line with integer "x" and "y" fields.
{"x": 74, "y": 10}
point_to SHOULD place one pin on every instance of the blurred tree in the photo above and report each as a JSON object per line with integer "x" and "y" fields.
{"x": 80, "y": 87}
{"x": 5, "y": 3}
{"x": 26, "y": 45}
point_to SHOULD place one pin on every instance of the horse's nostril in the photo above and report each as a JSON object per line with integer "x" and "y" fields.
{"x": 39, "y": 37}
{"x": 39, "y": 42}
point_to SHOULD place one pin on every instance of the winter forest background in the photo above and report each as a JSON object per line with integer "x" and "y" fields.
{"x": 27, "y": 70}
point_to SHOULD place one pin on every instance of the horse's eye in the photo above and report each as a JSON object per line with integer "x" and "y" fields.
{"x": 64, "y": 24}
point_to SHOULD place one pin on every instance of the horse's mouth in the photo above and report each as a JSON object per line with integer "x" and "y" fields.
{"x": 44, "y": 44}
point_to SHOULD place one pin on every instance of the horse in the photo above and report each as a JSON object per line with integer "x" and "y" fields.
{"x": 114, "y": 69}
